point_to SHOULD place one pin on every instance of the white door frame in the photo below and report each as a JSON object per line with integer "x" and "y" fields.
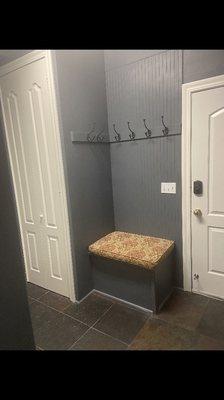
{"x": 187, "y": 90}
{"x": 12, "y": 66}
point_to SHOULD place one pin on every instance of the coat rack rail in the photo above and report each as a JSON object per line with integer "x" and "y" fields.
{"x": 101, "y": 139}
{"x": 125, "y": 140}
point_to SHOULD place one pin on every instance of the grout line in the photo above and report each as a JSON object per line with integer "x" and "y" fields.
{"x": 80, "y": 338}
{"x": 112, "y": 337}
{"x": 61, "y": 312}
{"x": 178, "y": 325}
{"x": 43, "y": 295}
{"x": 149, "y": 317}
{"x": 174, "y": 323}
{"x": 104, "y": 333}
{"x": 37, "y": 298}
{"x": 87, "y": 295}
{"x": 90, "y": 327}
{"x": 116, "y": 301}
{"x": 202, "y": 314}
{"x": 102, "y": 315}
{"x": 94, "y": 324}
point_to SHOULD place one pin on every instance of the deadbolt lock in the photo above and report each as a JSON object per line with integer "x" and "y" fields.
{"x": 198, "y": 187}
{"x": 197, "y": 212}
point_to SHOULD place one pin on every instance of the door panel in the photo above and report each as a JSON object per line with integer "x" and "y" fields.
{"x": 16, "y": 137}
{"x": 35, "y": 162}
{"x": 216, "y": 250}
{"x": 53, "y": 249}
{"x": 36, "y": 109}
{"x": 215, "y": 154}
{"x": 208, "y": 166}
{"x": 32, "y": 251}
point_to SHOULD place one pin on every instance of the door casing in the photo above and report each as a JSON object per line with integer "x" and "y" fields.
{"x": 12, "y": 66}
{"x": 186, "y": 145}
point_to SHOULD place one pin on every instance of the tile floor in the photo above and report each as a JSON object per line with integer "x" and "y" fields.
{"x": 187, "y": 322}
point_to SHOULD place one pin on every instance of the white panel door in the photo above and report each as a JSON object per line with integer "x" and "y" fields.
{"x": 35, "y": 164}
{"x": 208, "y": 167}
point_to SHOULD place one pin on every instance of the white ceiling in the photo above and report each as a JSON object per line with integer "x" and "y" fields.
{"x": 10, "y": 55}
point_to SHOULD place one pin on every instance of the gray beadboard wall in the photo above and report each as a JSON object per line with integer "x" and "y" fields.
{"x": 146, "y": 88}
{"x": 81, "y": 95}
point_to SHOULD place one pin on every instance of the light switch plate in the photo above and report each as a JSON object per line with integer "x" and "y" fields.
{"x": 73, "y": 136}
{"x": 168, "y": 187}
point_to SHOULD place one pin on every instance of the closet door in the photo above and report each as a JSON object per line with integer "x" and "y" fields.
{"x": 35, "y": 165}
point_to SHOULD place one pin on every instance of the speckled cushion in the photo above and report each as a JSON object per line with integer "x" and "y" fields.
{"x": 144, "y": 251}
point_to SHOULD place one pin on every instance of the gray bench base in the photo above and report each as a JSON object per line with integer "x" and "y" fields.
{"x": 145, "y": 288}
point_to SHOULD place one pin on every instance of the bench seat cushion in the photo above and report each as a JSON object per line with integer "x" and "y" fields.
{"x": 144, "y": 251}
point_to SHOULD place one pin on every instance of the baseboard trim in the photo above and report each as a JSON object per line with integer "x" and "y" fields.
{"x": 132, "y": 305}
{"x": 79, "y": 301}
{"x": 209, "y": 296}
{"x": 165, "y": 300}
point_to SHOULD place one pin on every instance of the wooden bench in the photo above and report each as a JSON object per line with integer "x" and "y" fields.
{"x": 135, "y": 268}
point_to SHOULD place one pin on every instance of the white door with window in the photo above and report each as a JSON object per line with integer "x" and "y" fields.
{"x": 207, "y": 190}
{"x": 34, "y": 150}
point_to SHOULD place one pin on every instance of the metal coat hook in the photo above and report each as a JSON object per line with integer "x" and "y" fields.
{"x": 117, "y": 135}
{"x": 165, "y": 130}
{"x": 148, "y": 134}
{"x": 91, "y": 139}
{"x": 99, "y": 137}
{"x": 132, "y": 134}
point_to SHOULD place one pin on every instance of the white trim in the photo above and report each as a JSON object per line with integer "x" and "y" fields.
{"x": 12, "y": 66}
{"x": 131, "y": 305}
{"x": 85, "y": 297}
{"x": 209, "y": 295}
{"x": 62, "y": 176}
{"x": 187, "y": 90}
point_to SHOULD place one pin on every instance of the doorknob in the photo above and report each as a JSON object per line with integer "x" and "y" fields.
{"x": 197, "y": 212}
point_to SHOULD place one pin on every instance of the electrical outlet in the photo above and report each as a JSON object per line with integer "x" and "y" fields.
{"x": 168, "y": 187}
